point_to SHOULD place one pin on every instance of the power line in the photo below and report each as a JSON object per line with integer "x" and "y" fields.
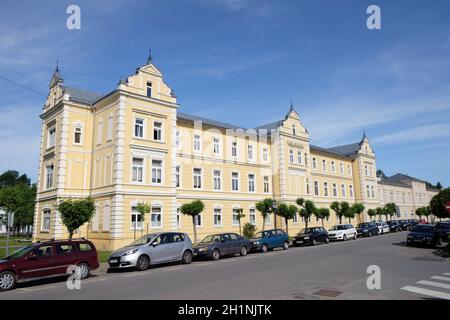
{"x": 22, "y": 75}
{"x": 22, "y": 86}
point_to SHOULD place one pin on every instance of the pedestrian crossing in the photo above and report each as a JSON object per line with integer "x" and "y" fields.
{"x": 433, "y": 288}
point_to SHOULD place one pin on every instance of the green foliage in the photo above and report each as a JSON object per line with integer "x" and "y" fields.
{"x": 358, "y": 208}
{"x": 240, "y": 215}
{"x": 371, "y": 213}
{"x": 380, "y": 212}
{"x": 307, "y": 209}
{"x": 249, "y": 230}
{"x": 438, "y": 203}
{"x": 75, "y": 213}
{"x": 390, "y": 209}
{"x": 286, "y": 212}
{"x": 11, "y": 178}
{"x": 265, "y": 207}
{"x": 193, "y": 209}
{"x": 342, "y": 209}
{"x": 322, "y": 214}
{"x": 143, "y": 208}
{"x": 19, "y": 199}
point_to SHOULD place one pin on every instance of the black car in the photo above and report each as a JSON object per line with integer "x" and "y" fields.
{"x": 367, "y": 229}
{"x": 423, "y": 234}
{"x": 217, "y": 245}
{"x": 404, "y": 224}
{"x": 443, "y": 229}
{"x": 413, "y": 222}
{"x": 311, "y": 236}
{"x": 394, "y": 226}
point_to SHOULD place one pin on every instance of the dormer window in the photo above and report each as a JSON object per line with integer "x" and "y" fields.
{"x": 293, "y": 129}
{"x": 149, "y": 89}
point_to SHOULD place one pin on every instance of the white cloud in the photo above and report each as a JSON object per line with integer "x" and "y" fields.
{"x": 421, "y": 133}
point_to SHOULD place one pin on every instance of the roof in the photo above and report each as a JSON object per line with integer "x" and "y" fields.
{"x": 191, "y": 117}
{"x": 81, "y": 95}
{"x": 402, "y": 177}
{"x": 395, "y": 183}
{"x": 343, "y": 151}
{"x": 270, "y": 126}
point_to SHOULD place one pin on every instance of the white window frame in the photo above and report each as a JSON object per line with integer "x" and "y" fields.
{"x": 99, "y": 132}
{"x": 135, "y": 213}
{"x": 265, "y": 154}
{"x": 316, "y": 188}
{"x": 324, "y": 165}
{"x": 44, "y": 218}
{"x": 194, "y": 175}
{"x": 158, "y": 207}
{"x": 343, "y": 190}
{"x": 291, "y": 156}
{"x": 234, "y": 222}
{"x": 178, "y": 176}
{"x": 155, "y": 170}
{"x": 216, "y": 146}
{"x": 219, "y": 214}
{"x": 75, "y": 131}
{"x": 178, "y": 139}
{"x": 49, "y": 182}
{"x": 199, "y": 225}
{"x": 141, "y": 127}
{"x": 159, "y": 130}
{"x": 137, "y": 170}
{"x": 314, "y": 163}
{"x": 250, "y": 184}
{"x": 266, "y": 184}
{"x": 234, "y": 149}
{"x": 238, "y": 181}
{"x": 341, "y": 168}
{"x": 335, "y": 190}
{"x": 106, "y": 218}
{"x": 350, "y": 190}
{"x": 252, "y": 213}
{"x": 333, "y": 166}
{"x": 250, "y": 152}
{"x": 178, "y": 218}
{"x": 299, "y": 157}
{"x": 219, "y": 179}
{"x": 51, "y": 137}
{"x": 194, "y": 143}
{"x": 109, "y": 132}
{"x": 325, "y": 189}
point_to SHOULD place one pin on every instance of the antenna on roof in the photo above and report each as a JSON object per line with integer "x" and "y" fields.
{"x": 149, "y": 59}
{"x": 57, "y": 65}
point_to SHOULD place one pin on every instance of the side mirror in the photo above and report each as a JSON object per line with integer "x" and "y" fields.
{"x": 155, "y": 244}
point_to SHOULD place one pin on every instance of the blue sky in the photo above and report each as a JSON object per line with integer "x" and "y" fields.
{"x": 241, "y": 61}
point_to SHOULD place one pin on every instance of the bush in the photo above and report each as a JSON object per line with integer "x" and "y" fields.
{"x": 249, "y": 230}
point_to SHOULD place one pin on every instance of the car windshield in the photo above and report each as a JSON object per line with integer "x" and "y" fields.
{"x": 363, "y": 225}
{"x": 306, "y": 230}
{"x": 211, "y": 238}
{"x": 426, "y": 229}
{"x": 259, "y": 235}
{"x": 339, "y": 228}
{"x": 20, "y": 253}
{"x": 143, "y": 240}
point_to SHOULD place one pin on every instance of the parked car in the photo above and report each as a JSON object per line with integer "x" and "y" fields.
{"x": 443, "y": 229}
{"x": 342, "y": 232}
{"x": 311, "y": 236}
{"x": 413, "y": 222}
{"x": 404, "y": 224}
{"x": 153, "y": 249}
{"x": 394, "y": 226}
{"x": 423, "y": 234}
{"x": 217, "y": 245}
{"x": 47, "y": 259}
{"x": 270, "y": 239}
{"x": 383, "y": 227}
{"x": 367, "y": 229}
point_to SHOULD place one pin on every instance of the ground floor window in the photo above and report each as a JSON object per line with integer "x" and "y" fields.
{"x": 295, "y": 219}
{"x": 217, "y": 217}
{"x": 252, "y": 216}
{"x": 156, "y": 217}
{"x": 235, "y": 216}
{"x": 198, "y": 220}
{"x": 46, "y": 216}
{"x": 268, "y": 219}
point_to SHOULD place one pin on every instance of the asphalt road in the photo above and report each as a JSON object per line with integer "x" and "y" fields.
{"x": 334, "y": 271}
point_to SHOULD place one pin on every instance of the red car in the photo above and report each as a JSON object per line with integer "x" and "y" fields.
{"x": 47, "y": 259}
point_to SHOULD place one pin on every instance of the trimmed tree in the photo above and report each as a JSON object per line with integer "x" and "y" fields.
{"x": 286, "y": 212}
{"x": 349, "y": 213}
{"x": 420, "y": 212}
{"x": 143, "y": 209}
{"x": 427, "y": 213}
{"x": 341, "y": 209}
{"x": 193, "y": 209}
{"x": 322, "y": 214}
{"x": 265, "y": 208}
{"x": 307, "y": 209}
{"x": 358, "y": 209}
{"x": 371, "y": 213}
{"x": 380, "y": 212}
{"x": 240, "y": 215}
{"x": 439, "y": 202}
{"x": 390, "y": 209}
{"x": 75, "y": 212}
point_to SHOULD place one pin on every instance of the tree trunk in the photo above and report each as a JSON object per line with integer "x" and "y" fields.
{"x": 340, "y": 219}
{"x": 349, "y": 221}
{"x": 287, "y": 227}
{"x": 70, "y": 235}
{"x": 195, "y": 228}
{"x": 306, "y": 222}
{"x": 264, "y": 222}
{"x": 240, "y": 228}
{"x": 323, "y": 223}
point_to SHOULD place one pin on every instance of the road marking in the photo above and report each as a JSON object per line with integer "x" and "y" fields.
{"x": 446, "y": 274}
{"x": 136, "y": 274}
{"x": 435, "y": 284}
{"x": 95, "y": 280}
{"x": 432, "y": 293}
{"x": 440, "y": 278}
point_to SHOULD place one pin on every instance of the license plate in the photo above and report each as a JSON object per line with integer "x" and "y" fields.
{"x": 300, "y": 241}
{"x": 113, "y": 261}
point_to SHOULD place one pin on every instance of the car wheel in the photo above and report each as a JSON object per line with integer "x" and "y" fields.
{"x": 215, "y": 254}
{"x": 285, "y": 245}
{"x": 7, "y": 281}
{"x": 438, "y": 241}
{"x": 370, "y": 234}
{"x": 84, "y": 270}
{"x": 344, "y": 237}
{"x": 243, "y": 251}
{"x": 187, "y": 257}
{"x": 264, "y": 248}
{"x": 313, "y": 242}
{"x": 327, "y": 240}
{"x": 355, "y": 236}
{"x": 142, "y": 263}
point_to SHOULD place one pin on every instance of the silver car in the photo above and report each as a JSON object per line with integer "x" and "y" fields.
{"x": 152, "y": 249}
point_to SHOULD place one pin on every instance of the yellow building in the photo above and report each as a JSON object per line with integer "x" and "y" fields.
{"x": 132, "y": 145}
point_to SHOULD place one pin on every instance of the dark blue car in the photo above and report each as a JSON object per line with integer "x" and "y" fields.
{"x": 270, "y": 239}
{"x": 425, "y": 234}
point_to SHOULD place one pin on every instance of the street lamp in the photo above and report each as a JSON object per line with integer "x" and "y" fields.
{"x": 274, "y": 210}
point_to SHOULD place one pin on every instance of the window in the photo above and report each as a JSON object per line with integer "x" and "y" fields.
{"x": 295, "y": 219}
{"x": 314, "y": 163}
{"x": 110, "y": 128}
{"x": 365, "y": 170}
{"x": 197, "y": 178}
{"x": 268, "y": 219}
{"x": 293, "y": 129}
{"x": 177, "y": 176}
{"x": 177, "y": 140}
{"x": 157, "y": 131}
{"x": 217, "y": 217}
{"x": 291, "y": 156}
{"x": 156, "y": 171}
{"x": 64, "y": 248}
{"x": 234, "y": 149}
{"x": 299, "y": 157}
{"x": 235, "y": 181}
{"x": 77, "y": 135}
{"x": 372, "y": 191}
{"x": 156, "y": 217}
{"x": 139, "y": 128}
{"x": 235, "y": 216}
{"x": 216, "y": 146}
{"x": 84, "y": 246}
{"x": 325, "y": 189}
{"x": 217, "y": 179}
{"x": 324, "y": 165}
{"x": 306, "y": 159}
{"x": 106, "y": 217}
{"x": 251, "y": 183}
{"x": 138, "y": 170}
{"x": 343, "y": 190}
{"x": 46, "y": 216}
{"x": 370, "y": 171}
{"x": 316, "y": 188}
{"x": 307, "y": 186}
{"x": 349, "y": 169}
{"x": 333, "y": 166}
{"x": 335, "y": 193}
{"x": 197, "y": 143}
{"x": 350, "y": 188}
{"x": 44, "y": 251}
{"x": 178, "y": 221}
{"x": 149, "y": 89}
{"x": 252, "y": 216}
{"x": 266, "y": 184}
{"x": 49, "y": 176}
{"x": 51, "y": 141}
{"x": 250, "y": 152}
{"x": 341, "y": 168}
{"x": 136, "y": 218}
{"x": 265, "y": 155}
{"x": 368, "y": 191}
{"x": 100, "y": 132}
{"x": 198, "y": 220}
